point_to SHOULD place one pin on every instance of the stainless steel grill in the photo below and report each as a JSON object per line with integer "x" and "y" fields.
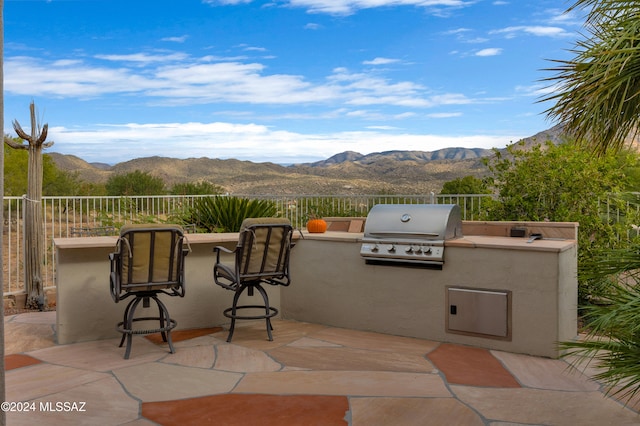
{"x": 410, "y": 233}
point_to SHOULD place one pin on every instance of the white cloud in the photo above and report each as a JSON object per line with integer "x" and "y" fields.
{"x": 180, "y": 39}
{"x": 477, "y": 40}
{"x": 381, "y": 61}
{"x": 491, "y": 51}
{"x": 198, "y": 82}
{"x": 462, "y": 33}
{"x": 144, "y": 58}
{"x": 112, "y": 143}
{"x": 537, "y": 90}
{"x": 457, "y": 31}
{"x": 381, "y": 127}
{"x": 255, "y": 49}
{"x": 445, "y": 115}
{"x": 26, "y": 76}
{"x": 226, "y": 2}
{"x": 347, "y": 7}
{"x": 536, "y": 30}
{"x": 562, "y": 17}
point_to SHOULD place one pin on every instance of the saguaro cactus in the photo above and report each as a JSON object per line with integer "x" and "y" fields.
{"x": 33, "y": 225}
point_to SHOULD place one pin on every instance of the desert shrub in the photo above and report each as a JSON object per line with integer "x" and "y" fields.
{"x": 135, "y": 183}
{"x": 196, "y": 188}
{"x": 560, "y": 183}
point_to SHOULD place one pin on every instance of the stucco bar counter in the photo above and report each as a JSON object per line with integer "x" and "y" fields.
{"x": 493, "y": 291}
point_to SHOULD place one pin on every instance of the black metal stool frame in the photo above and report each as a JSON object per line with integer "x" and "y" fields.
{"x": 126, "y": 325}
{"x": 261, "y": 257}
{"x": 142, "y": 285}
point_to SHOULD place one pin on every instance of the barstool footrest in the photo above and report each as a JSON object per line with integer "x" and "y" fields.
{"x": 172, "y": 324}
{"x": 272, "y": 312}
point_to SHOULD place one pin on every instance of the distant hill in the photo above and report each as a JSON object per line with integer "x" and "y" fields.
{"x": 441, "y": 154}
{"x": 392, "y": 172}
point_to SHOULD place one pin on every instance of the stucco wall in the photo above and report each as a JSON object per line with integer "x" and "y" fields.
{"x": 332, "y": 285}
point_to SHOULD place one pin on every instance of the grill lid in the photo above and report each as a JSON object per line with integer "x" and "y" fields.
{"x": 417, "y": 222}
{"x": 410, "y": 233}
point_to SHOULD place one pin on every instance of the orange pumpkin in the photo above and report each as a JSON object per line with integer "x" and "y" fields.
{"x": 317, "y": 226}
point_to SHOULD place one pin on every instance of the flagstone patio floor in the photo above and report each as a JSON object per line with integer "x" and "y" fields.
{"x": 309, "y": 375}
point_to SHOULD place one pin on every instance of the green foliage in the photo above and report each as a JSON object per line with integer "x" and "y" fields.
{"x": 54, "y": 180}
{"x": 465, "y": 185}
{"x": 473, "y": 208}
{"x": 93, "y": 189}
{"x": 197, "y": 188}
{"x": 225, "y": 214}
{"x": 134, "y": 183}
{"x": 613, "y": 329}
{"x": 552, "y": 182}
{"x": 564, "y": 184}
{"x": 16, "y": 163}
{"x": 60, "y": 182}
{"x": 631, "y": 171}
{"x": 324, "y": 207}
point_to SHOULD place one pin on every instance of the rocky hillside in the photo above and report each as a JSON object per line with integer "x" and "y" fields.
{"x": 393, "y": 172}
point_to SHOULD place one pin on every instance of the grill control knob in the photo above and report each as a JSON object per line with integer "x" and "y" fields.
{"x": 418, "y": 250}
{"x": 427, "y": 250}
{"x": 391, "y": 248}
{"x": 375, "y": 248}
{"x": 409, "y": 249}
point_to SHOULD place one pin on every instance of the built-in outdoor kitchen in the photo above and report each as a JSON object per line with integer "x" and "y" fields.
{"x": 419, "y": 271}
{"x": 416, "y": 270}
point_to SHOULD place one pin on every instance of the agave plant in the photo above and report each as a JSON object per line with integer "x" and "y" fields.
{"x": 225, "y": 214}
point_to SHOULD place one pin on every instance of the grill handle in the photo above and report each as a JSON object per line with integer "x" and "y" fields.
{"x": 403, "y": 234}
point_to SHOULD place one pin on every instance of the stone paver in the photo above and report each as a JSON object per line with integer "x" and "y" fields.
{"x": 101, "y": 355}
{"x": 161, "y": 382}
{"x": 545, "y": 373}
{"x": 533, "y": 406}
{"x": 36, "y": 381}
{"x": 308, "y": 342}
{"x": 22, "y": 337}
{"x": 193, "y": 356}
{"x": 375, "y": 341}
{"x": 102, "y": 402}
{"x": 364, "y": 383}
{"x": 244, "y": 360}
{"x": 315, "y": 358}
{"x": 412, "y": 411}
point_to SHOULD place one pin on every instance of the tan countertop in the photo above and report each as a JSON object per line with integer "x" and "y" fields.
{"x": 511, "y": 243}
{"x": 110, "y": 241}
{"x": 470, "y": 241}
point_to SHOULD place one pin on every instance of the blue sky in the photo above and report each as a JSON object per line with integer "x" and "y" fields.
{"x": 287, "y": 81}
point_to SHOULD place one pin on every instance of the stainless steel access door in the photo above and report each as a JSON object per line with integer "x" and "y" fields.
{"x": 479, "y": 312}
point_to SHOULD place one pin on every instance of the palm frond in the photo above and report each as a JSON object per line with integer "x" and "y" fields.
{"x": 612, "y": 344}
{"x": 597, "y": 92}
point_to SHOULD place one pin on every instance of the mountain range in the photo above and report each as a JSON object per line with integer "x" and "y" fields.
{"x": 390, "y": 172}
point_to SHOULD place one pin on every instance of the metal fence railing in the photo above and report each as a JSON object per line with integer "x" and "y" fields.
{"x": 83, "y": 216}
